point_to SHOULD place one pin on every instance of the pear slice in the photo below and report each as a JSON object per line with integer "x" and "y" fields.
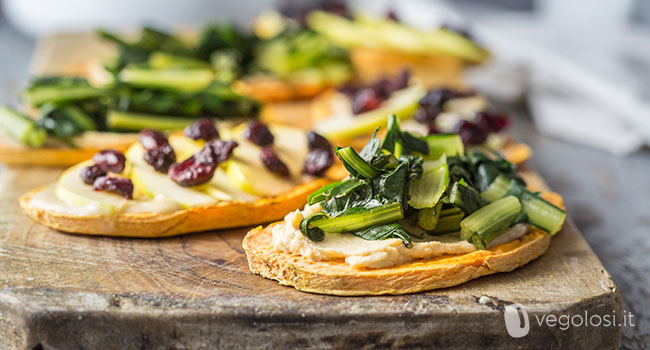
{"x": 222, "y": 183}
{"x": 184, "y": 147}
{"x": 154, "y": 183}
{"x": 246, "y": 170}
{"x": 291, "y": 146}
{"x": 402, "y": 103}
{"x": 72, "y": 191}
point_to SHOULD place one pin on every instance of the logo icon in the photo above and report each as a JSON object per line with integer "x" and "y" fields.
{"x": 516, "y": 325}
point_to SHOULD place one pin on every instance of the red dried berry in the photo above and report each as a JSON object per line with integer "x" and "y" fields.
{"x": 318, "y": 161}
{"x": 369, "y": 97}
{"x": 258, "y": 133}
{"x": 118, "y": 185}
{"x": 110, "y": 160}
{"x": 383, "y": 88}
{"x": 470, "y": 133}
{"x": 392, "y": 15}
{"x": 491, "y": 121}
{"x": 159, "y": 153}
{"x": 365, "y": 100}
{"x": 401, "y": 81}
{"x": 90, "y": 173}
{"x": 427, "y": 114}
{"x": 216, "y": 151}
{"x": 160, "y": 158}
{"x": 315, "y": 141}
{"x": 203, "y": 129}
{"x": 273, "y": 162}
{"x": 152, "y": 139}
{"x": 192, "y": 172}
{"x": 199, "y": 168}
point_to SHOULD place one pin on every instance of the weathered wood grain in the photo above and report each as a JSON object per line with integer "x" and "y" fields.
{"x": 195, "y": 292}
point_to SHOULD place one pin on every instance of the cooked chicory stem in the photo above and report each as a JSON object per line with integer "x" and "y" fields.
{"x": 21, "y": 127}
{"x": 166, "y": 60}
{"x": 355, "y": 164}
{"x": 447, "y": 144}
{"x": 183, "y": 80}
{"x": 428, "y": 217}
{"x": 426, "y": 191}
{"x": 117, "y": 120}
{"x": 487, "y": 223}
{"x": 462, "y": 196}
{"x": 497, "y": 189}
{"x": 65, "y": 122}
{"x": 361, "y": 219}
{"x": 539, "y": 212}
{"x": 58, "y": 90}
{"x": 448, "y": 223}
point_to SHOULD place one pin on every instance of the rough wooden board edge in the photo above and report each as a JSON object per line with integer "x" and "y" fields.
{"x": 110, "y": 322}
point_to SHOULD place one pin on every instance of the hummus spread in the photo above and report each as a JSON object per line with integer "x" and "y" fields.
{"x": 361, "y": 253}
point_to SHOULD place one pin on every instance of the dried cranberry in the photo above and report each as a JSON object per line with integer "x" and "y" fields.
{"x": 110, "y": 160}
{"x": 90, "y": 173}
{"x": 159, "y": 153}
{"x": 437, "y": 97}
{"x": 203, "y": 129}
{"x": 216, "y": 151}
{"x": 315, "y": 141}
{"x": 427, "y": 114}
{"x": 402, "y": 80}
{"x": 383, "y": 88}
{"x": 160, "y": 158}
{"x": 318, "y": 161}
{"x": 386, "y": 87}
{"x": 298, "y": 10}
{"x": 119, "y": 185}
{"x": 365, "y": 100}
{"x": 348, "y": 89}
{"x": 152, "y": 139}
{"x": 390, "y": 14}
{"x": 199, "y": 168}
{"x": 192, "y": 172}
{"x": 433, "y": 102}
{"x": 470, "y": 133}
{"x": 258, "y": 133}
{"x": 491, "y": 121}
{"x": 337, "y": 7}
{"x": 273, "y": 162}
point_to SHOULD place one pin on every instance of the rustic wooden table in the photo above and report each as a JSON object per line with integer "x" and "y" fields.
{"x": 608, "y": 197}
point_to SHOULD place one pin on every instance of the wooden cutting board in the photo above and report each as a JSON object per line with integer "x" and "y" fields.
{"x": 61, "y": 291}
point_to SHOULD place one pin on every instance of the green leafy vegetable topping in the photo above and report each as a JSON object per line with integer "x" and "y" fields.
{"x": 392, "y": 192}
